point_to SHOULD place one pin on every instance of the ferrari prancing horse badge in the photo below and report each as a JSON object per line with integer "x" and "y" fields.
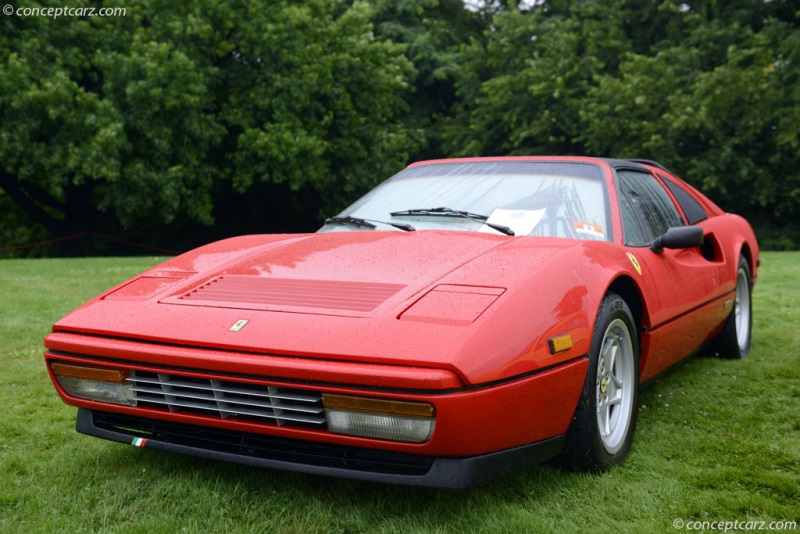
{"x": 635, "y": 263}
{"x": 238, "y": 325}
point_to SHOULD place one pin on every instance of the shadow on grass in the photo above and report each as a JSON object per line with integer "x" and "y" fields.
{"x": 192, "y": 478}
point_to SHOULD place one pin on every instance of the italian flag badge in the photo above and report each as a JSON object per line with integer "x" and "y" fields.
{"x": 139, "y": 442}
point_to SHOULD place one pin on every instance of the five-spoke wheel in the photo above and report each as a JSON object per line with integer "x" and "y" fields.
{"x": 614, "y": 386}
{"x": 602, "y": 428}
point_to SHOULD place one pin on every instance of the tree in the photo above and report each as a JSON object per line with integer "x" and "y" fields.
{"x": 719, "y": 105}
{"x": 182, "y": 122}
{"x": 137, "y": 121}
{"x": 102, "y": 125}
{"x": 708, "y": 88}
{"x": 523, "y": 84}
{"x": 431, "y": 32}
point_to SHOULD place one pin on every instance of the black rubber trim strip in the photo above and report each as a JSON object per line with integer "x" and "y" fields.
{"x": 433, "y": 472}
{"x": 689, "y": 312}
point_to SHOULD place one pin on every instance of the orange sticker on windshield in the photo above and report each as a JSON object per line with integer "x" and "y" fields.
{"x": 594, "y": 230}
{"x": 635, "y": 263}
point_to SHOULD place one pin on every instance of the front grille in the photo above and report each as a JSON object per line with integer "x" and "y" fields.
{"x": 257, "y": 447}
{"x": 227, "y": 399}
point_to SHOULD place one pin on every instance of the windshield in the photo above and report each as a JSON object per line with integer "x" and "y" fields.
{"x": 549, "y": 199}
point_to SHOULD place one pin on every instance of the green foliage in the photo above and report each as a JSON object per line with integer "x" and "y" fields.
{"x": 710, "y": 89}
{"x": 717, "y": 113}
{"x": 142, "y": 119}
{"x": 432, "y": 32}
{"x": 521, "y": 88}
{"x": 716, "y": 441}
{"x": 98, "y": 116}
{"x": 182, "y": 122}
{"x": 313, "y": 98}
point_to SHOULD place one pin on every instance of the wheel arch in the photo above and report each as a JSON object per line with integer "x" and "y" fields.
{"x": 586, "y": 447}
{"x": 747, "y": 254}
{"x": 627, "y": 288}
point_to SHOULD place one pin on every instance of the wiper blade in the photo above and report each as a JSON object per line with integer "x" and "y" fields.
{"x": 450, "y": 212}
{"x": 366, "y": 223}
{"x": 352, "y": 221}
{"x": 443, "y": 212}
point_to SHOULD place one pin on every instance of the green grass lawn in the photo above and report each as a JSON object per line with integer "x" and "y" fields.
{"x": 716, "y": 441}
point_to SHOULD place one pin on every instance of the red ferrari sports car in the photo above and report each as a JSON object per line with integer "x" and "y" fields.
{"x": 465, "y": 319}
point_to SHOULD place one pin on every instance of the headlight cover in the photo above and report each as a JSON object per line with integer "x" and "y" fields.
{"x": 410, "y": 422}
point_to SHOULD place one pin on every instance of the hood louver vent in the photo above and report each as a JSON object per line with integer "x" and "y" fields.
{"x": 250, "y": 292}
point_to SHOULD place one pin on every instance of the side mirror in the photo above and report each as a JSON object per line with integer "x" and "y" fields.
{"x": 678, "y": 237}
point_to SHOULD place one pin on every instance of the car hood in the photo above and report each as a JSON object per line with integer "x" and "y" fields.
{"x": 429, "y": 299}
{"x": 341, "y": 273}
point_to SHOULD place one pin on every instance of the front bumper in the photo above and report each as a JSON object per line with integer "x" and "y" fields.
{"x": 315, "y": 457}
{"x": 481, "y": 432}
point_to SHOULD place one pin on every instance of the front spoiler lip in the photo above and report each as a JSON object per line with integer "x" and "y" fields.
{"x": 450, "y": 473}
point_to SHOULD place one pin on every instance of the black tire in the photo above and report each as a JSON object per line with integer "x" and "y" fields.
{"x": 601, "y": 432}
{"x": 733, "y": 342}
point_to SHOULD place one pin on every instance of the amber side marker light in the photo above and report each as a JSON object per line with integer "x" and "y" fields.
{"x": 99, "y": 384}
{"x": 410, "y": 422}
{"x": 560, "y": 343}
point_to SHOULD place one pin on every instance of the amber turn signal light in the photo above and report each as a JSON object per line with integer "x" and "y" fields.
{"x": 98, "y": 374}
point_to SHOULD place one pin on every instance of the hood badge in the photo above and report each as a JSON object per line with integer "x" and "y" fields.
{"x": 238, "y": 325}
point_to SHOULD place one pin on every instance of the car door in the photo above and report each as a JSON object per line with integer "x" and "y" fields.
{"x": 684, "y": 281}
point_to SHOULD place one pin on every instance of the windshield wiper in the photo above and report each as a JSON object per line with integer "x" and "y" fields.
{"x": 450, "y": 212}
{"x": 366, "y": 223}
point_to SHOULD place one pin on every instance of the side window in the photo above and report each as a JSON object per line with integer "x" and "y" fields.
{"x": 691, "y": 208}
{"x": 647, "y": 210}
{"x": 631, "y": 229}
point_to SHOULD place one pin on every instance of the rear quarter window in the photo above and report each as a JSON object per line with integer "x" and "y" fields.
{"x": 693, "y": 210}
